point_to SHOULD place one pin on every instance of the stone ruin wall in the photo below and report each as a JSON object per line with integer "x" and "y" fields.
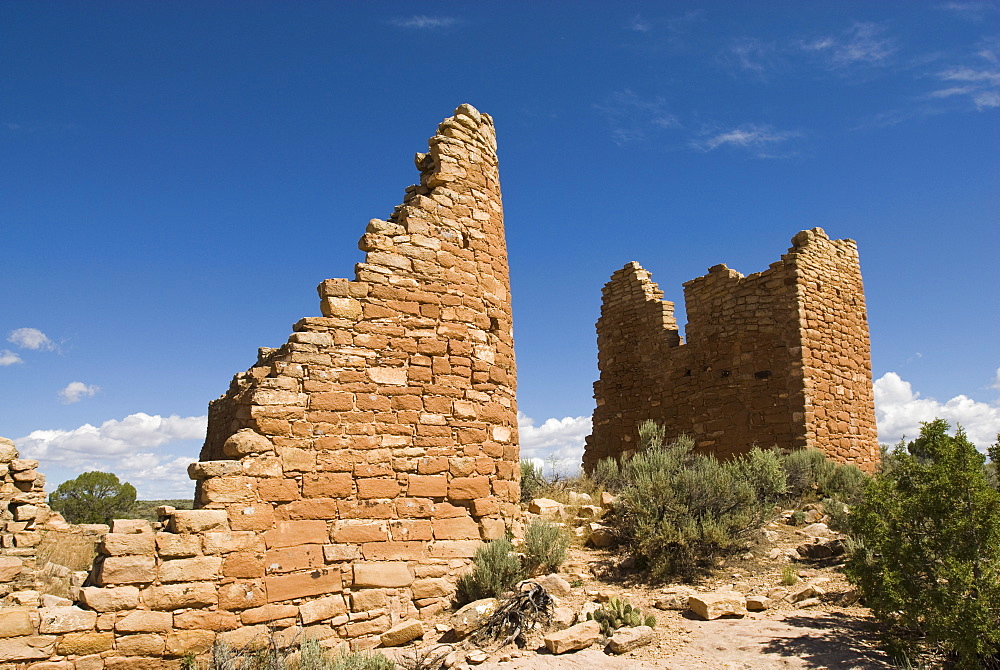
{"x": 779, "y": 357}
{"x": 348, "y": 477}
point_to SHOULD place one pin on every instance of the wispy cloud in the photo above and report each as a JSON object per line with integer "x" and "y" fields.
{"x": 761, "y": 140}
{"x": 31, "y": 338}
{"x": 972, "y": 11}
{"x": 899, "y": 411}
{"x": 861, "y": 44}
{"x": 639, "y": 25}
{"x": 77, "y": 391}
{"x": 423, "y": 22}
{"x": 980, "y": 86}
{"x": 749, "y": 54}
{"x": 633, "y": 118}
{"x": 8, "y": 357}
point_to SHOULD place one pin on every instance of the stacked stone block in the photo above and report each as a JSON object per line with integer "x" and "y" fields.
{"x": 23, "y": 513}
{"x": 779, "y": 357}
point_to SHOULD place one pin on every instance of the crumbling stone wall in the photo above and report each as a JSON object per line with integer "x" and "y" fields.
{"x": 780, "y": 357}
{"x": 348, "y": 477}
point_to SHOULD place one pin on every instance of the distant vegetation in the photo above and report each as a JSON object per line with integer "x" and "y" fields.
{"x": 146, "y": 509}
{"x": 93, "y": 497}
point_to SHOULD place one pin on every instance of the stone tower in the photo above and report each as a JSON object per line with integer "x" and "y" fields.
{"x": 779, "y": 357}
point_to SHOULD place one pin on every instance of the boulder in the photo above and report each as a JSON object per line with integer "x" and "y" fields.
{"x": 820, "y": 548}
{"x": 472, "y": 616}
{"x": 579, "y": 498}
{"x": 803, "y": 592}
{"x": 554, "y": 585}
{"x": 546, "y": 507}
{"x": 759, "y": 603}
{"x": 580, "y": 636}
{"x": 563, "y": 617}
{"x": 710, "y": 606}
{"x": 601, "y": 536}
{"x": 625, "y": 640}
{"x": 401, "y": 633}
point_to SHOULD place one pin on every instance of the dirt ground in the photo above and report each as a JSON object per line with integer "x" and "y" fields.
{"x": 828, "y": 632}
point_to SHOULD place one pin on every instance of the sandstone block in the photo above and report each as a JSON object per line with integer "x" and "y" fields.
{"x": 382, "y": 575}
{"x": 625, "y": 640}
{"x": 710, "y": 606}
{"x": 126, "y": 570}
{"x": 246, "y": 441}
{"x": 10, "y": 567}
{"x": 547, "y": 508}
{"x": 228, "y": 541}
{"x": 402, "y": 633}
{"x": 268, "y": 612}
{"x": 206, "y": 469}
{"x": 311, "y": 611}
{"x": 293, "y": 533}
{"x": 453, "y": 548}
{"x": 181, "y": 643}
{"x": 432, "y": 588}
{"x": 84, "y": 643}
{"x": 198, "y": 520}
{"x": 110, "y": 599}
{"x": 290, "y": 559}
{"x": 144, "y": 644}
{"x": 469, "y": 488}
{"x": 368, "y": 600}
{"x": 177, "y": 596}
{"x": 458, "y": 528}
{"x": 355, "y": 531}
{"x": 206, "y": 620}
{"x": 121, "y": 544}
{"x": 200, "y": 568}
{"x": 328, "y": 485}
{"x": 392, "y": 551}
{"x": 251, "y": 517}
{"x": 32, "y": 648}
{"x": 374, "y": 626}
{"x": 15, "y": 622}
{"x": 334, "y": 553}
{"x": 145, "y": 622}
{"x": 555, "y": 585}
{"x": 174, "y": 545}
{"x": 241, "y": 595}
{"x": 759, "y": 603}
{"x": 66, "y": 620}
{"x": 428, "y": 486}
{"x": 299, "y": 585}
{"x": 580, "y": 636}
{"x": 227, "y": 490}
{"x": 243, "y": 565}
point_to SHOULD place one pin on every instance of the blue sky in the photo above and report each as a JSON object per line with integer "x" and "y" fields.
{"x": 176, "y": 178}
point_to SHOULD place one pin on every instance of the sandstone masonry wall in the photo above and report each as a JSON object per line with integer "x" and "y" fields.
{"x": 348, "y": 477}
{"x": 779, "y": 357}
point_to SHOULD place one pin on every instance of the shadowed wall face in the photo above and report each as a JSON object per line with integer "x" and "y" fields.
{"x": 780, "y": 357}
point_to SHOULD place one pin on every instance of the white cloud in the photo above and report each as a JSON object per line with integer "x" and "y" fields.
{"x": 421, "y": 22}
{"x": 986, "y": 100}
{"x": 953, "y": 91}
{"x": 556, "y": 441}
{"x": 31, "y": 338}
{"x": 982, "y": 87}
{"x": 8, "y": 357}
{"x": 633, "y": 118}
{"x": 899, "y": 411}
{"x": 748, "y": 136}
{"x": 973, "y": 11}
{"x": 140, "y": 449}
{"x": 861, "y": 44}
{"x": 77, "y": 391}
{"x": 996, "y": 380}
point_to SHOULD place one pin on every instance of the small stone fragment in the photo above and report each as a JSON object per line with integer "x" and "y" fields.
{"x": 710, "y": 606}
{"x": 625, "y": 640}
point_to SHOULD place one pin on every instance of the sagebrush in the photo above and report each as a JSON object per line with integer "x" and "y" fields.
{"x": 545, "y": 545}
{"x": 496, "y": 568}
{"x": 678, "y": 510}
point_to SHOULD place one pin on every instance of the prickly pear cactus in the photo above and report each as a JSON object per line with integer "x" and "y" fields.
{"x": 616, "y": 614}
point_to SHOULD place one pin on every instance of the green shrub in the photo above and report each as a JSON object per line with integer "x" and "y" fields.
{"x": 803, "y": 470}
{"x": 927, "y": 550}
{"x": 545, "y": 545}
{"x": 616, "y": 614}
{"x": 361, "y": 660}
{"x": 608, "y": 474}
{"x": 309, "y": 655}
{"x": 93, "y": 497}
{"x": 495, "y": 570}
{"x": 677, "y": 511}
{"x": 531, "y": 480}
{"x": 789, "y": 575}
